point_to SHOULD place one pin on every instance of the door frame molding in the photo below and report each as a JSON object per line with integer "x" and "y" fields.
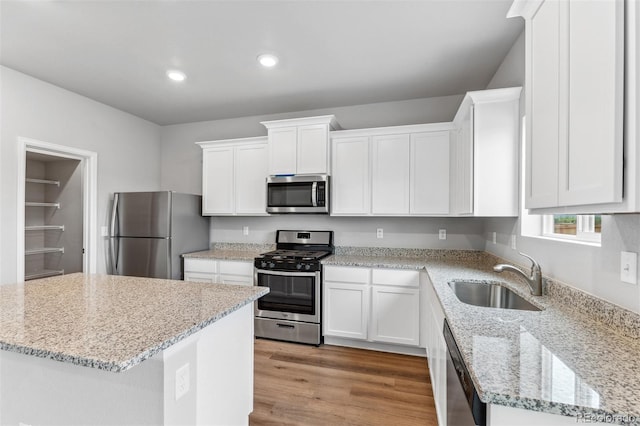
{"x": 89, "y": 161}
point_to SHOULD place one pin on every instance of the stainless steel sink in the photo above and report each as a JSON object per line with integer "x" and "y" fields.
{"x": 489, "y": 295}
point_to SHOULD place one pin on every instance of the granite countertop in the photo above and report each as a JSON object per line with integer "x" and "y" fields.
{"x": 110, "y": 322}
{"x": 231, "y": 251}
{"x": 562, "y": 360}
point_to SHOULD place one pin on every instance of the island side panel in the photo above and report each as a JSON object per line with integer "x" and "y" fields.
{"x": 40, "y": 391}
{"x": 225, "y": 370}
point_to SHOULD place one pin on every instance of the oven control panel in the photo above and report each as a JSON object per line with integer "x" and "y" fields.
{"x": 287, "y": 265}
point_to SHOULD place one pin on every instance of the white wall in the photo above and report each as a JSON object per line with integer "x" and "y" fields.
{"x": 127, "y": 147}
{"x": 592, "y": 269}
{"x": 415, "y": 232}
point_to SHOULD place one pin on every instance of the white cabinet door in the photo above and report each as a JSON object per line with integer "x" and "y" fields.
{"x": 543, "y": 98}
{"x": 283, "y": 150}
{"x": 591, "y": 157}
{"x": 395, "y": 315}
{"x": 350, "y": 184}
{"x": 250, "y": 177}
{"x": 433, "y": 320}
{"x": 346, "y": 310}
{"x": 312, "y": 149}
{"x": 429, "y": 188}
{"x": 217, "y": 181}
{"x": 575, "y": 101}
{"x": 390, "y": 175}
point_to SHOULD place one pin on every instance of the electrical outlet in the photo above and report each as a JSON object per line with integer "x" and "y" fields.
{"x": 629, "y": 267}
{"x": 513, "y": 242}
{"x": 104, "y": 231}
{"x": 493, "y": 237}
{"x": 182, "y": 381}
{"x": 379, "y": 233}
{"x": 442, "y": 234}
{"x": 245, "y": 230}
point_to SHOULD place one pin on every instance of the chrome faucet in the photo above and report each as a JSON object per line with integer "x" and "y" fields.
{"x": 534, "y": 280}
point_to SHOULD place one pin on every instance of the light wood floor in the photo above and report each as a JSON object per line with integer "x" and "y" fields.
{"x": 330, "y": 385}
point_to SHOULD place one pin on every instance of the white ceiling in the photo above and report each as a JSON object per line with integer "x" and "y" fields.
{"x": 332, "y": 52}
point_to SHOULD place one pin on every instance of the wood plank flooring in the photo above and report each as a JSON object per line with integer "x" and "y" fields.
{"x": 331, "y": 385}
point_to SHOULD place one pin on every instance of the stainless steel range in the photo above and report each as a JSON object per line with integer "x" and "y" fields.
{"x": 293, "y": 272}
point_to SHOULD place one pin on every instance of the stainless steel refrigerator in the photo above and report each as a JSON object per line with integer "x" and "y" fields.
{"x": 150, "y": 230}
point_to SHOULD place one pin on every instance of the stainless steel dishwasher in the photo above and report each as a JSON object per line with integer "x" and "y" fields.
{"x": 463, "y": 404}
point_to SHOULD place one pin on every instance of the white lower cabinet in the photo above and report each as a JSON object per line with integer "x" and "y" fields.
{"x": 346, "y": 310}
{"x": 433, "y": 321}
{"x": 375, "y": 305}
{"x": 218, "y": 271}
{"x": 395, "y": 315}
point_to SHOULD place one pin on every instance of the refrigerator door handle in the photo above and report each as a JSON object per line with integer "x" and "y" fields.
{"x": 113, "y": 249}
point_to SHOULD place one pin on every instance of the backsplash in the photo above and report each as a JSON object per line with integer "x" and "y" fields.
{"x": 623, "y": 320}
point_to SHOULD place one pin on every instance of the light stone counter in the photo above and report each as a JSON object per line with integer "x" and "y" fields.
{"x": 579, "y": 356}
{"x": 110, "y": 322}
{"x": 231, "y": 251}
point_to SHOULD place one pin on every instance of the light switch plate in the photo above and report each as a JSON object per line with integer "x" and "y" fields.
{"x": 245, "y": 230}
{"x": 629, "y": 267}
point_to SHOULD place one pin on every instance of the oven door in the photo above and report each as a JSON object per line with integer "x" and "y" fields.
{"x": 292, "y": 296}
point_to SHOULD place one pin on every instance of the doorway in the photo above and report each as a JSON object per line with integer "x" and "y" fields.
{"x": 57, "y": 200}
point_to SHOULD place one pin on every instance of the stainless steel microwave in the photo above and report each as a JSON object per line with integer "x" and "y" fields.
{"x": 298, "y": 194}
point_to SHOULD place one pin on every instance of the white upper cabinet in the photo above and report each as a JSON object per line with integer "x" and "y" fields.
{"x": 391, "y": 171}
{"x": 575, "y": 103}
{"x": 484, "y": 158}
{"x": 234, "y": 173}
{"x": 350, "y": 185}
{"x": 300, "y": 146}
{"x": 250, "y": 177}
{"x": 283, "y": 144}
{"x": 390, "y": 175}
{"x": 217, "y": 180}
{"x": 429, "y": 181}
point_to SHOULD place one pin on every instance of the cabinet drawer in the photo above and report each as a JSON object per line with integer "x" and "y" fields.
{"x": 232, "y": 267}
{"x": 395, "y": 277}
{"x": 200, "y": 277}
{"x": 235, "y": 279}
{"x": 200, "y": 265}
{"x": 347, "y": 274}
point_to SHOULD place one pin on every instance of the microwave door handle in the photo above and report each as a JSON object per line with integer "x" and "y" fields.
{"x": 314, "y": 194}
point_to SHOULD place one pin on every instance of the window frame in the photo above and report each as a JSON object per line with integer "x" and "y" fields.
{"x": 585, "y": 229}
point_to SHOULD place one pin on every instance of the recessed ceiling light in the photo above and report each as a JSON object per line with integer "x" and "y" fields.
{"x": 267, "y": 60}
{"x": 176, "y": 75}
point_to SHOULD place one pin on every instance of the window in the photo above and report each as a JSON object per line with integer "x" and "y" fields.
{"x": 572, "y": 227}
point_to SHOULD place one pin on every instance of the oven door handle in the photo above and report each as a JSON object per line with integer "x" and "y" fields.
{"x": 287, "y": 274}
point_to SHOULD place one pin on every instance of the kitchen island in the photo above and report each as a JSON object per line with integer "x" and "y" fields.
{"x": 100, "y": 349}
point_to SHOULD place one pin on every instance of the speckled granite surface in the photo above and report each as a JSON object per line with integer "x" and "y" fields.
{"x": 110, "y": 322}
{"x": 232, "y": 251}
{"x": 559, "y": 360}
